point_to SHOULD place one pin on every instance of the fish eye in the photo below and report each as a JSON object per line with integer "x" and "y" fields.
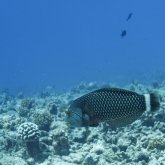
{"x": 68, "y": 113}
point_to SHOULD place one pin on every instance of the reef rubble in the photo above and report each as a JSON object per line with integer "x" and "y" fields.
{"x": 33, "y": 131}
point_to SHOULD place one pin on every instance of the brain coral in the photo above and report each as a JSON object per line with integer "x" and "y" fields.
{"x": 29, "y": 133}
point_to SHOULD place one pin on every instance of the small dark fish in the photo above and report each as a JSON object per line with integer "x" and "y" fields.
{"x": 118, "y": 107}
{"x": 129, "y": 16}
{"x": 123, "y": 33}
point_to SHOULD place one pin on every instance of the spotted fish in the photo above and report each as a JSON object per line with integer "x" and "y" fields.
{"x": 118, "y": 107}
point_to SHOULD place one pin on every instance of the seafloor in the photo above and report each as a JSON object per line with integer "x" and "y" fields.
{"x": 56, "y": 143}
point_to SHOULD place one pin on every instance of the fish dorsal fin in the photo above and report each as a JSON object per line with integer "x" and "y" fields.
{"x": 115, "y": 90}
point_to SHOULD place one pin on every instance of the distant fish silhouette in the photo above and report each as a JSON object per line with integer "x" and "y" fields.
{"x": 129, "y": 16}
{"x": 123, "y": 33}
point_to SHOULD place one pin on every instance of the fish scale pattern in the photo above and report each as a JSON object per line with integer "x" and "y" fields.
{"x": 114, "y": 103}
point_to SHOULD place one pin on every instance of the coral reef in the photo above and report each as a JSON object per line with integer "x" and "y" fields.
{"x": 27, "y": 103}
{"x": 43, "y": 120}
{"x": 29, "y": 133}
{"x": 52, "y": 108}
{"x": 157, "y": 143}
{"x": 22, "y": 111}
{"x": 33, "y": 131}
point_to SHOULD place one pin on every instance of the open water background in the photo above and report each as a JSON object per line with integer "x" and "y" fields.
{"x": 62, "y": 43}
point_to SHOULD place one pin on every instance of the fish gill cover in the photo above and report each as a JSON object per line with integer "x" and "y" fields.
{"x": 53, "y": 52}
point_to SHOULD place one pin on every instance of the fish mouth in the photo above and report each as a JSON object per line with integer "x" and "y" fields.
{"x": 73, "y": 118}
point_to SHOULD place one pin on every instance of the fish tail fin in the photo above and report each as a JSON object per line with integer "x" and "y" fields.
{"x": 152, "y": 101}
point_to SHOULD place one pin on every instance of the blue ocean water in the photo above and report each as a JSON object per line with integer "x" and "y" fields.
{"x": 62, "y": 43}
